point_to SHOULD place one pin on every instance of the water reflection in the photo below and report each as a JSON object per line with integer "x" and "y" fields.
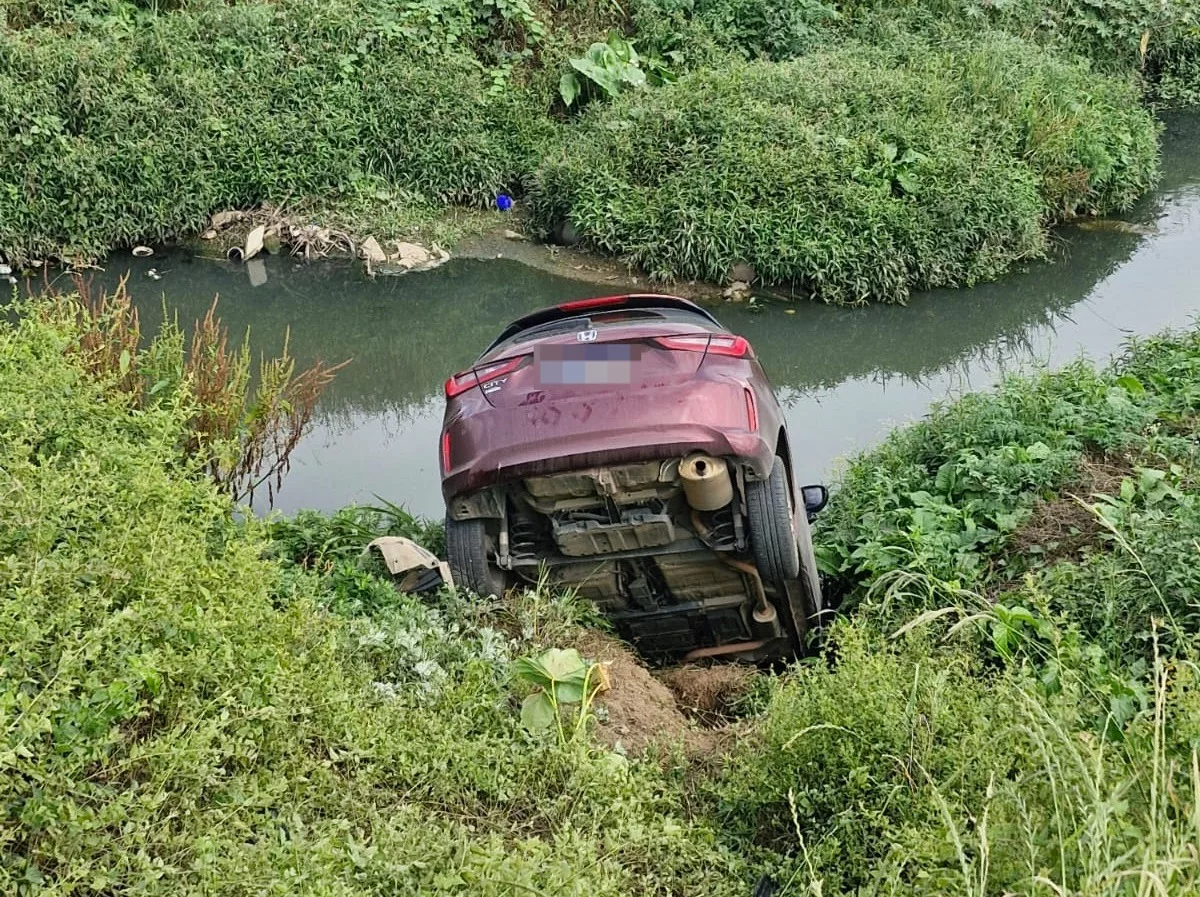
{"x": 845, "y": 375}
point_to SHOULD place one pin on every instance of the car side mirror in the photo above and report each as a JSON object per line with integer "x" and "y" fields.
{"x": 815, "y": 498}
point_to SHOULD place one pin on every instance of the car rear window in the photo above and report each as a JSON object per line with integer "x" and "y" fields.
{"x": 599, "y": 320}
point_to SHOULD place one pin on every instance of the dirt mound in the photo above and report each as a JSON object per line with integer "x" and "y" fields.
{"x": 638, "y": 711}
{"x": 708, "y": 693}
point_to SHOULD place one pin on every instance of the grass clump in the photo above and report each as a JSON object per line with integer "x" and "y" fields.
{"x": 857, "y": 173}
{"x": 920, "y": 766}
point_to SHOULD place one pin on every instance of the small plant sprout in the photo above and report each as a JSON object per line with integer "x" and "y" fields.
{"x": 562, "y": 679}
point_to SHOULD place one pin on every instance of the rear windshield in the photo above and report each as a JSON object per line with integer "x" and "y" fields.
{"x": 599, "y": 320}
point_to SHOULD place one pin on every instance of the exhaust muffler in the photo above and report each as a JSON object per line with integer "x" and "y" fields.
{"x": 706, "y": 482}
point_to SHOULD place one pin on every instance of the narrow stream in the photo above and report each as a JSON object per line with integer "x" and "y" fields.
{"x": 845, "y": 376}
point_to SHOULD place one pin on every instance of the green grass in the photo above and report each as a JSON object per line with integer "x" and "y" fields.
{"x": 193, "y": 704}
{"x": 137, "y": 127}
{"x": 854, "y": 151}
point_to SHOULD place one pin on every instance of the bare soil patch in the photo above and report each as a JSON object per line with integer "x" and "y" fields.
{"x": 1063, "y": 528}
{"x": 708, "y": 694}
{"x": 640, "y": 713}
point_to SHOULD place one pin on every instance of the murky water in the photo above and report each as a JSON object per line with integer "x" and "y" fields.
{"x": 845, "y": 375}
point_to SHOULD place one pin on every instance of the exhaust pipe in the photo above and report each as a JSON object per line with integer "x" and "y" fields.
{"x": 764, "y": 614}
{"x": 706, "y": 482}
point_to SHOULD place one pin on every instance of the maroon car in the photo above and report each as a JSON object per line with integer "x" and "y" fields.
{"x": 631, "y": 448}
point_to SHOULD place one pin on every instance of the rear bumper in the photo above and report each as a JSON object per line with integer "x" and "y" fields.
{"x": 502, "y": 444}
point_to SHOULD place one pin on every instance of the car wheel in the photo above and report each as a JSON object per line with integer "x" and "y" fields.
{"x": 467, "y": 550}
{"x": 769, "y": 507}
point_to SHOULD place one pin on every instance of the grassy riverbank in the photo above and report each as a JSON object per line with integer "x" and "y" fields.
{"x": 197, "y": 705}
{"x": 862, "y": 153}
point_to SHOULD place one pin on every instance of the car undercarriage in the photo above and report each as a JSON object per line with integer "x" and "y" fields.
{"x": 661, "y": 548}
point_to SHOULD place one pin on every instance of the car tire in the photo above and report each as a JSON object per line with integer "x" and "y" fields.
{"x": 769, "y": 508}
{"x": 467, "y": 551}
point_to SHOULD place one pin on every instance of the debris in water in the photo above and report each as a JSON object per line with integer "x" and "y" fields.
{"x": 372, "y": 252}
{"x": 738, "y": 291}
{"x": 153, "y": 274}
{"x": 256, "y": 270}
{"x": 254, "y": 245}
{"x": 142, "y": 252}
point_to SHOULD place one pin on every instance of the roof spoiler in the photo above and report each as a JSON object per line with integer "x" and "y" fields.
{"x": 578, "y": 307}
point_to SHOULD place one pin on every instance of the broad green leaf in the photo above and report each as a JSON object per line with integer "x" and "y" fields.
{"x": 1131, "y": 385}
{"x": 598, "y": 74}
{"x": 568, "y": 87}
{"x": 633, "y": 76}
{"x": 1039, "y": 451}
{"x": 908, "y": 182}
{"x": 562, "y": 663}
{"x": 537, "y": 712}
{"x": 124, "y": 360}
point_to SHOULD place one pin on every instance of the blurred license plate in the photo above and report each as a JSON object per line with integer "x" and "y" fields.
{"x": 586, "y": 365}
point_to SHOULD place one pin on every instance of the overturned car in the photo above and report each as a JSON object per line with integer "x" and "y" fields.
{"x": 631, "y": 448}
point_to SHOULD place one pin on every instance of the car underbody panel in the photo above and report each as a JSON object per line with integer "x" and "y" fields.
{"x": 674, "y": 580}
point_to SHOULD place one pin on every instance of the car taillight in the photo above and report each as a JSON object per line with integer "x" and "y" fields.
{"x": 461, "y": 382}
{"x": 446, "y": 451}
{"x": 717, "y": 344}
{"x": 684, "y": 343}
{"x": 751, "y": 411}
{"x": 727, "y": 344}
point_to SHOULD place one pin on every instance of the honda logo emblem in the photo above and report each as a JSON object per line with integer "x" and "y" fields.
{"x": 586, "y": 336}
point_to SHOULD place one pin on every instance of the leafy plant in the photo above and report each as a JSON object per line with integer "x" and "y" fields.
{"x": 243, "y": 435}
{"x": 562, "y": 678}
{"x": 608, "y": 69}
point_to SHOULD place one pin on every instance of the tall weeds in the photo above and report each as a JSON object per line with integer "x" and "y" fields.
{"x": 241, "y": 428}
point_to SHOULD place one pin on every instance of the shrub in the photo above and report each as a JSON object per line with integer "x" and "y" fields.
{"x": 775, "y": 29}
{"x": 138, "y": 130}
{"x": 941, "y": 496}
{"x": 1159, "y": 38}
{"x": 858, "y": 174}
{"x": 909, "y": 768}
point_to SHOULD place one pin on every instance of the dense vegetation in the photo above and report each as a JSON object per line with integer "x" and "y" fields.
{"x": 859, "y": 173}
{"x": 182, "y": 714}
{"x": 932, "y": 141}
{"x": 198, "y": 704}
